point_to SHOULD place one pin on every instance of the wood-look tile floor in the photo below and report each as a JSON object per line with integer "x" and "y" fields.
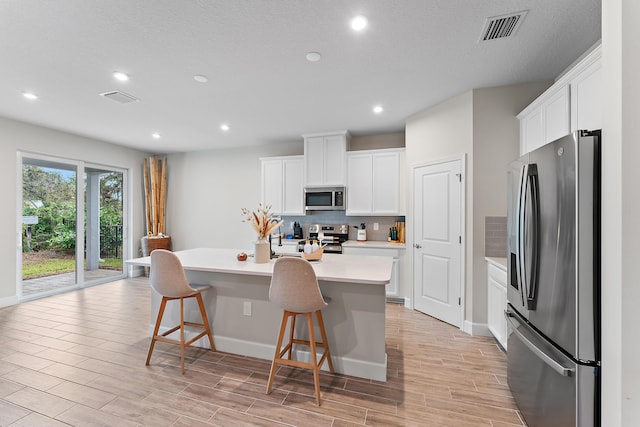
{"x": 78, "y": 359}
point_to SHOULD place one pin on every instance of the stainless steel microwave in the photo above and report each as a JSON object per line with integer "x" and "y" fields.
{"x": 325, "y": 198}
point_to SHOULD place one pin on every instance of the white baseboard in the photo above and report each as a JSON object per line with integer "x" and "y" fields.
{"x": 478, "y": 329}
{"x": 8, "y": 301}
{"x": 342, "y": 365}
{"x": 408, "y": 303}
{"x": 136, "y": 272}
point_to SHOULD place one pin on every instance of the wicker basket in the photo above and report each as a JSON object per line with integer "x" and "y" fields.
{"x": 149, "y": 244}
{"x": 314, "y": 256}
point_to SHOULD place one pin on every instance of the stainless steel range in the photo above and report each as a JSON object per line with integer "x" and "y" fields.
{"x": 329, "y": 236}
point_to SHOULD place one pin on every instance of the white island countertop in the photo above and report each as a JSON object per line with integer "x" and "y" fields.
{"x": 332, "y": 268}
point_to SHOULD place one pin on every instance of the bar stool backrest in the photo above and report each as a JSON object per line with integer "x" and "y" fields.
{"x": 167, "y": 275}
{"x": 294, "y": 286}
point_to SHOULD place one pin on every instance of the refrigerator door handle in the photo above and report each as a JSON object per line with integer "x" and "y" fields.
{"x": 528, "y": 282}
{"x": 559, "y": 368}
{"x": 532, "y": 286}
{"x": 520, "y": 277}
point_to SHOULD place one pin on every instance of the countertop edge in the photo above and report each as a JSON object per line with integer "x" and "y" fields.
{"x": 499, "y": 262}
{"x": 378, "y": 244}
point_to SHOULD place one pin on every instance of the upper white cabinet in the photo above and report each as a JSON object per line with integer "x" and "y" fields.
{"x": 282, "y": 184}
{"x": 586, "y": 98}
{"x": 325, "y": 158}
{"x": 374, "y": 182}
{"x": 573, "y": 102}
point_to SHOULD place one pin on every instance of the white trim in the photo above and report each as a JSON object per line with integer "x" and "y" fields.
{"x": 8, "y": 301}
{"x": 477, "y": 329}
{"x": 342, "y": 365}
{"x": 80, "y": 166}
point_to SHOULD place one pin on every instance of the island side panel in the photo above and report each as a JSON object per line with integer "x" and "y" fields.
{"x": 354, "y": 320}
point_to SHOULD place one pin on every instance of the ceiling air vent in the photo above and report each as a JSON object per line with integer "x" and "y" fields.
{"x": 120, "y": 97}
{"x": 499, "y": 27}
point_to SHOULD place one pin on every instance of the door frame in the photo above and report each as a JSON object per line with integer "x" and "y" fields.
{"x": 80, "y": 217}
{"x": 463, "y": 229}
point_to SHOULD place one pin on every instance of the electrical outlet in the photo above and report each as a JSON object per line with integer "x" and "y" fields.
{"x": 246, "y": 310}
{"x": 376, "y": 226}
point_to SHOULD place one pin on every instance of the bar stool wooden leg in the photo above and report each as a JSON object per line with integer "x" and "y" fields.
{"x": 205, "y": 320}
{"x": 278, "y": 354}
{"x": 291, "y": 331}
{"x": 163, "y": 304}
{"x": 323, "y": 334}
{"x": 314, "y": 359}
{"x": 182, "y": 334}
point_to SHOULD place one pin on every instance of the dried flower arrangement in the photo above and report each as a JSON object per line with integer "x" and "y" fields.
{"x": 261, "y": 220}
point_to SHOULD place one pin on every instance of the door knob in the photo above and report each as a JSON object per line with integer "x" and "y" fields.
{"x": 417, "y": 246}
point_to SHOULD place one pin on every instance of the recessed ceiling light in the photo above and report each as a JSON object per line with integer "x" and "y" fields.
{"x": 30, "y": 95}
{"x": 225, "y": 127}
{"x": 378, "y": 109}
{"x": 359, "y": 23}
{"x": 313, "y": 56}
{"x": 200, "y": 78}
{"x": 119, "y": 75}
{"x": 155, "y": 135}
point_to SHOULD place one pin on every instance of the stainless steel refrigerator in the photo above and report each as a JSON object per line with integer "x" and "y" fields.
{"x": 553, "y": 293}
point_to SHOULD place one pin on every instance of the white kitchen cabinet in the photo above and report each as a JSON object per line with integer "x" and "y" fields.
{"x": 325, "y": 158}
{"x": 282, "y": 184}
{"x": 374, "y": 182}
{"x": 573, "y": 102}
{"x": 393, "y": 287}
{"x": 497, "y": 301}
{"x": 545, "y": 121}
{"x": 586, "y": 98}
{"x": 288, "y": 246}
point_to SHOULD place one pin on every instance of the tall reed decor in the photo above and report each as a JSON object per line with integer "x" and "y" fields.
{"x": 263, "y": 222}
{"x": 155, "y": 195}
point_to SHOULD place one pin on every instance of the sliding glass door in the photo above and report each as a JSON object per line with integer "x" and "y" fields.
{"x": 72, "y": 227}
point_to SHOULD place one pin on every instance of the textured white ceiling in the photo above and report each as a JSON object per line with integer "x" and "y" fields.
{"x": 414, "y": 54}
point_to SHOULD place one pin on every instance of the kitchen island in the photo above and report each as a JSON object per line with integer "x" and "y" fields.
{"x": 245, "y": 322}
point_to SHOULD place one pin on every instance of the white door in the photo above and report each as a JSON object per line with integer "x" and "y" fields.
{"x": 438, "y": 215}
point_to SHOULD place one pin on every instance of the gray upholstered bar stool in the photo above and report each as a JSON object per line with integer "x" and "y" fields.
{"x": 168, "y": 279}
{"x": 295, "y": 289}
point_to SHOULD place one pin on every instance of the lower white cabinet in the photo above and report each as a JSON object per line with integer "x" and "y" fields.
{"x": 288, "y": 246}
{"x": 393, "y": 287}
{"x": 497, "y": 301}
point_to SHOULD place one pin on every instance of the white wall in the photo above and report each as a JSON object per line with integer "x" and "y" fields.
{"x": 16, "y": 136}
{"x": 440, "y": 132}
{"x": 620, "y": 219}
{"x": 482, "y": 125}
{"x": 207, "y": 189}
{"x": 496, "y": 133}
